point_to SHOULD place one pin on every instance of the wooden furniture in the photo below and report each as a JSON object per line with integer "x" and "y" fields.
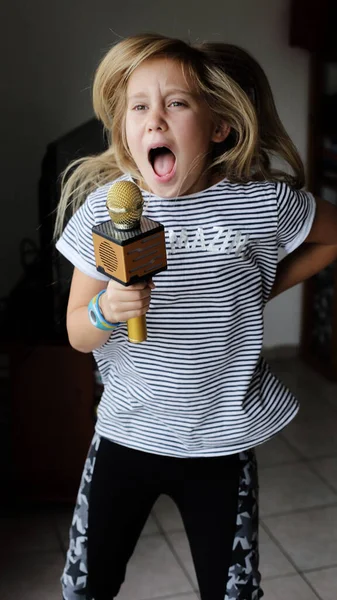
{"x": 313, "y": 27}
{"x": 53, "y": 418}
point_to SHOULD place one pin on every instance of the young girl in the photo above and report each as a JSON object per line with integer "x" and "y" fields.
{"x": 180, "y": 412}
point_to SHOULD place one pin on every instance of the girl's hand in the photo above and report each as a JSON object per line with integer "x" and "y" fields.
{"x": 120, "y": 303}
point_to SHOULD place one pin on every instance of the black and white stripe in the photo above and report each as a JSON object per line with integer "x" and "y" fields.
{"x": 199, "y": 386}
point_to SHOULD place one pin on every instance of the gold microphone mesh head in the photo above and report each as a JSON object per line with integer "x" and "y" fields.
{"x": 125, "y": 204}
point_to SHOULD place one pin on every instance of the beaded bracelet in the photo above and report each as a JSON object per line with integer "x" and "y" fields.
{"x": 96, "y": 316}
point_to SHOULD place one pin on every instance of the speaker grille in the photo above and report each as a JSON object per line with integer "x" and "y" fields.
{"x": 108, "y": 257}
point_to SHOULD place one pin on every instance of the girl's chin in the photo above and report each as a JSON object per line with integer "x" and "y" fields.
{"x": 171, "y": 190}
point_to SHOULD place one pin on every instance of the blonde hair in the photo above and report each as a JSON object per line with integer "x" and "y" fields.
{"x": 273, "y": 138}
{"x": 240, "y": 159}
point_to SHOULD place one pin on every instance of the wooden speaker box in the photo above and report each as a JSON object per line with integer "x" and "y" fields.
{"x": 132, "y": 255}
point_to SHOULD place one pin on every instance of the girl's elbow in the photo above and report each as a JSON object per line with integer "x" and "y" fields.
{"x": 77, "y": 345}
{"x": 80, "y": 348}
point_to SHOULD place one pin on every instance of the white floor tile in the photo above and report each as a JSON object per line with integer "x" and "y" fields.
{"x": 327, "y": 468}
{"x": 288, "y": 588}
{"x": 273, "y": 563}
{"x": 168, "y": 514}
{"x": 150, "y": 527}
{"x": 313, "y": 439}
{"x": 183, "y": 597}
{"x": 153, "y": 572}
{"x": 312, "y": 390}
{"x": 324, "y": 582}
{"x": 275, "y": 452}
{"x": 181, "y": 546}
{"x": 289, "y": 487}
{"x": 312, "y": 406}
{"x": 32, "y": 576}
{"x": 309, "y": 538}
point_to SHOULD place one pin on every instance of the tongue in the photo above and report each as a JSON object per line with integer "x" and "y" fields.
{"x": 163, "y": 163}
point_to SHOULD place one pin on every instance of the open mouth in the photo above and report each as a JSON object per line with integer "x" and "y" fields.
{"x": 162, "y": 160}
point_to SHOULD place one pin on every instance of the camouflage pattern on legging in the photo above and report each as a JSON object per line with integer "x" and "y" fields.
{"x": 243, "y": 577}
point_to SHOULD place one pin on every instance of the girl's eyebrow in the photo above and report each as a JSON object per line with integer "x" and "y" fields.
{"x": 179, "y": 91}
{"x": 169, "y": 91}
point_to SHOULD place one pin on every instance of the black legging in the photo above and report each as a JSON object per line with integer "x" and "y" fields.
{"x": 125, "y": 485}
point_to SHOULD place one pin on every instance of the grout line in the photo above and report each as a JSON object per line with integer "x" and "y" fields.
{"x": 281, "y": 576}
{"x": 314, "y": 569}
{"x": 290, "y": 560}
{"x": 279, "y": 464}
{"x": 296, "y": 459}
{"x": 279, "y": 546}
{"x": 175, "y": 554}
{"x": 296, "y": 511}
{"x": 320, "y": 457}
{"x": 314, "y": 470}
{"x": 159, "y": 534}
{"x": 309, "y": 584}
{"x": 170, "y": 597}
{"x": 305, "y": 458}
{"x": 291, "y": 447}
{"x": 295, "y": 450}
{"x": 164, "y": 532}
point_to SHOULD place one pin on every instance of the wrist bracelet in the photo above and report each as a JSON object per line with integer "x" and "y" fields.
{"x": 96, "y": 316}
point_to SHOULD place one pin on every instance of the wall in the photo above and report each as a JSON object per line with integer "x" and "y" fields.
{"x": 51, "y": 51}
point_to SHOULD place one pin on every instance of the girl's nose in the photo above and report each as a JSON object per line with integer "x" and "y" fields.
{"x": 156, "y": 121}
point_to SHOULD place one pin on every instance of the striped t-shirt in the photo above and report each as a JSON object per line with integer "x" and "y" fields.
{"x": 199, "y": 386}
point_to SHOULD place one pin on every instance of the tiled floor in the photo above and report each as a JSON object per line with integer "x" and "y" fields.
{"x": 298, "y": 532}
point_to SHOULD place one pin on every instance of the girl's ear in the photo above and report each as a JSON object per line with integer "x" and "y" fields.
{"x": 221, "y": 131}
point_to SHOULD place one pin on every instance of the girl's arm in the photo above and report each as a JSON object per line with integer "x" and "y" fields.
{"x": 317, "y": 252}
{"x": 83, "y": 336}
{"x": 118, "y": 304}
{"x": 304, "y": 262}
{"x": 324, "y": 228}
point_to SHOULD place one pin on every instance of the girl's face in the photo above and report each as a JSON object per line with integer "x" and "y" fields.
{"x": 169, "y": 129}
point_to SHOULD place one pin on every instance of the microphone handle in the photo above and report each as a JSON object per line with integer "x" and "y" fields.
{"x": 137, "y": 329}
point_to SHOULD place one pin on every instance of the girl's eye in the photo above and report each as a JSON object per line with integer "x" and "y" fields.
{"x": 177, "y": 103}
{"x": 139, "y": 107}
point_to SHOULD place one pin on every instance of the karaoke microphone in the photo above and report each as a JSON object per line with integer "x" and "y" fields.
{"x": 129, "y": 247}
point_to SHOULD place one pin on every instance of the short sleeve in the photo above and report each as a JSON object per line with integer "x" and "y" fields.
{"x": 76, "y": 242}
{"x": 296, "y": 212}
